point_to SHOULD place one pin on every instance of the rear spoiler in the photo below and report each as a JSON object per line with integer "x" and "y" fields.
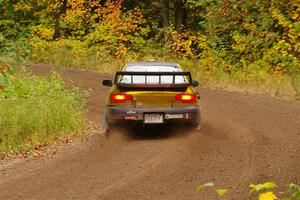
{"x": 187, "y": 75}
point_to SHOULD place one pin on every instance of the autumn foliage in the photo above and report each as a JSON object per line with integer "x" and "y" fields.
{"x": 226, "y": 42}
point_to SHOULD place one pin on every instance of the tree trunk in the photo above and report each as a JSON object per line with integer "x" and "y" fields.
{"x": 63, "y": 10}
{"x": 164, "y": 12}
{"x": 179, "y": 15}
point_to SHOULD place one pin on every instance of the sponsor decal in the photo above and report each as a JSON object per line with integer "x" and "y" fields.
{"x": 129, "y": 117}
{"x": 174, "y": 116}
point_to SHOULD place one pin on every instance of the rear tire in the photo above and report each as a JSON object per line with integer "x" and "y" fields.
{"x": 107, "y": 128}
{"x": 197, "y": 126}
{"x": 197, "y": 123}
{"x": 107, "y": 133}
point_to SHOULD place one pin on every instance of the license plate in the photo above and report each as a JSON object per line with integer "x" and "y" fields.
{"x": 153, "y": 118}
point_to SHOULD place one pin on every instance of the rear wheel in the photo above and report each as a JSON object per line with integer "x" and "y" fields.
{"x": 107, "y": 132}
{"x": 196, "y": 124}
{"x": 107, "y": 128}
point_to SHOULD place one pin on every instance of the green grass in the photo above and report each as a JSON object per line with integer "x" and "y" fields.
{"x": 72, "y": 53}
{"x": 209, "y": 71}
{"x": 36, "y": 110}
{"x": 25, "y": 123}
{"x": 253, "y": 82}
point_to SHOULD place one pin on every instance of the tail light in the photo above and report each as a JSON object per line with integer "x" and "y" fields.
{"x": 186, "y": 98}
{"x": 120, "y": 98}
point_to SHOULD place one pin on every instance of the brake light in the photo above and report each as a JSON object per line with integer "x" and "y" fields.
{"x": 186, "y": 98}
{"x": 120, "y": 98}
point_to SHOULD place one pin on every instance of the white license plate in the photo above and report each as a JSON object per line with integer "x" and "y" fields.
{"x": 153, "y": 118}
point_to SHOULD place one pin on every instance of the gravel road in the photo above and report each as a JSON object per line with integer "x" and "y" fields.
{"x": 244, "y": 138}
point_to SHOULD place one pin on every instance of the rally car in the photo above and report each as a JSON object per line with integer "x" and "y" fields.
{"x": 146, "y": 93}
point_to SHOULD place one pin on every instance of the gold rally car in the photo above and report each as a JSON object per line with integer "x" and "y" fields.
{"x": 152, "y": 93}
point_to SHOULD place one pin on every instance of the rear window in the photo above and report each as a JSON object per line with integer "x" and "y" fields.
{"x": 166, "y": 79}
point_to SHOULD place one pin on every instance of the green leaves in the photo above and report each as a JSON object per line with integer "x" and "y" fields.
{"x": 259, "y": 187}
{"x": 35, "y": 110}
{"x": 219, "y": 192}
{"x": 205, "y": 185}
{"x": 295, "y": 190}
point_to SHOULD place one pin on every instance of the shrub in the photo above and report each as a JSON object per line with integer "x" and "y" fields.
{"x": 36, "y": 110}
{"x": 73, "y": 53}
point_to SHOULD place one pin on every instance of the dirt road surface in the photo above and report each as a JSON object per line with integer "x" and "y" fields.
{"x": 244, "y": 138}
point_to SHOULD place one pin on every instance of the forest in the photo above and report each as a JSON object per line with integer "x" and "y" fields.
{"x": 247, "y": 45}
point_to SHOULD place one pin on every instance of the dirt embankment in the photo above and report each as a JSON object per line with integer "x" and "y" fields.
{"x": 244, "y": 139}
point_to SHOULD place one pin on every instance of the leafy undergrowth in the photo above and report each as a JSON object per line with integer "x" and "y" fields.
{"x": 53, "y": 147}
{"x": 261, "y": 191}
{"x": 227, "y": 45}
{"x": 244, "y": 81}
{"x": 36, "y": 110}
{"x": 208, "y": 71}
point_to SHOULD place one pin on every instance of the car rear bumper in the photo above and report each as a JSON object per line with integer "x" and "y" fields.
{"x": 178, "y": 114}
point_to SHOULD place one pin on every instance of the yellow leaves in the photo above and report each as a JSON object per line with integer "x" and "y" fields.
{"x": 190, "y": 44}
{"x": 278, "y": 68}
{"x": 295, "y": 5}
{"x": 43, "y": 32}
{"x": 123, "y": 38}
{"x": 295, "y": 16}
{"x": 249, "y": 26}
{"x": 267, "y": 196}
{"x": 221, "y": 192}
{"x": 3, "y": 67}
{"x": 240, "y": 43}
{"x": 261, "y": 186}
{"x": 24, "y": 7}
{"x": 282, "y": 20}
{"x": 110, "y": 25}
{"x": 121, "y": 51}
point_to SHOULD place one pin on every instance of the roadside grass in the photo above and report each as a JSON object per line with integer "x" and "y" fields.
{"x": 73, "y": 54}
{"x": 25, "y": 123}
{"x": 37, "y": 110}
{"x": 253, "y": 82}
{"x": 208, "y": 71}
